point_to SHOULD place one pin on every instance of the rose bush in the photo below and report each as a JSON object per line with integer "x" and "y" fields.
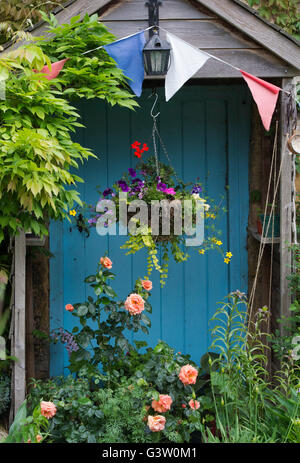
{"x": 106, "y": 344}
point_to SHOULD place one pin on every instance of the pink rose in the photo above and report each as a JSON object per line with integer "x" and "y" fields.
{"x": 147, "y": 285}
{"x": 38, "y": 438}
{"x": 188, "y": 374}
{"x": 106, "y": 262}
{"x": 194, "y": 404}
{"x": 156, "y": 423}
{"x": 135, "y": 304}
{"x": 69, "y": 308}
{"x": 48, "y": 409}
{"x": 163, "y": 404}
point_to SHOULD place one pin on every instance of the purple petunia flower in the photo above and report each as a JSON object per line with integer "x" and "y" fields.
{"x": 132, "y": 172}
{"x": 107, "y": 192}
{"x": 196, "y": 189}
{"x": 161, "y": 187}
{"x": 123, "y": 185}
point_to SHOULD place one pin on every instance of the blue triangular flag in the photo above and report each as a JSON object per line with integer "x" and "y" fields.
{"x": 128, "y": 54}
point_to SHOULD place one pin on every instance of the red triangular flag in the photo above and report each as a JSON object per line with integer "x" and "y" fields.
{"x": 55, "y": 69}
{"x": 265, "y": 96}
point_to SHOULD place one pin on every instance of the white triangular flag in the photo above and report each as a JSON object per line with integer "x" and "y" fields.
{"x": 186, "y": 60}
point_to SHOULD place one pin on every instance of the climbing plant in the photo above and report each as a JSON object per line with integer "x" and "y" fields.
{"x": 16, "y": 15}
{"x": 37, "y": 121}
{"x": 284, "y": 13}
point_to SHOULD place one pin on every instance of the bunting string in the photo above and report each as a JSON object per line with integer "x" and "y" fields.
{"x": 119, "y": 40}
{"x": 171, "y": 34}
{"x": 186, "y": 60}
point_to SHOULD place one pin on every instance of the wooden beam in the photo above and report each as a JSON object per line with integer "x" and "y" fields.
{"x": 18, "y": 338}
{"x": 30, "y": 366}
{"x": 287, "y": 122}
{"x": 256, "y": 29}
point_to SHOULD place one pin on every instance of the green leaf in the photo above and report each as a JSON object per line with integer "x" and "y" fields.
{"x": 15, "y": 434}
{"x": 82, "y": 310}
{"x": 146, "y": 320}
{"x": 109, "y": 291}
{"x": 4, "y": 73}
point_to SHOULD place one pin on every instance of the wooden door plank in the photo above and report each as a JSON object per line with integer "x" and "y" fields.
{"x": 19, "y": 334}
{"x": 285, "y": 200}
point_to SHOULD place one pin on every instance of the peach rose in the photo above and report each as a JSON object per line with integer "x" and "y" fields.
{"x": 69, "y": 308}
{"x": 147, "y": 285}
{"x": 163, "y": 404}
{"x": 48, "y": 409}
{"x": 156, "y": 423}
{"x": 188, "y": 374}
{"x": 38, "y": 438}
{"x": 194, "y": 404}
{"x": 106, "y": 262}
{"x": 135, "y": 304}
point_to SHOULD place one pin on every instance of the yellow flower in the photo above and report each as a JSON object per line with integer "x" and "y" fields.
{"x": 228, "y": 254}
{"x": 226, "y": 261}
{"x": 201, "y": 251}
{"x": 219, "y": 243}
{"x": 73, "y": 212}
{"x": 207, "y": 215}
{"x": 212, "y": 216}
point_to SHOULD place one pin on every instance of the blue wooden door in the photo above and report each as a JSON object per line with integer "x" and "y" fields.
{"x": 206, "y": 131}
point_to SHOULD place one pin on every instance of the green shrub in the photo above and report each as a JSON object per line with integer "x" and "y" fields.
{"x": 85, "y": 415}
{"x": 102, "y": 346}
{"x": 247, "y": 405}
{"x": 4, "y": 393}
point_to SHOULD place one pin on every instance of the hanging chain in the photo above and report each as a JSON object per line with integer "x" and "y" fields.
{"x": 155, "y": 133}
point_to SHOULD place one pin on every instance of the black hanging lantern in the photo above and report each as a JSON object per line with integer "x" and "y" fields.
{"x": 156, "y": 51}
{"x": 156, "y": 56}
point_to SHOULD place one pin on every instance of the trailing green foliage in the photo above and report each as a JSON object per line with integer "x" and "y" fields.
{"x": 92, "y": 75}
{"x": 36, "y": 151}
{"x": 36, "y": 147}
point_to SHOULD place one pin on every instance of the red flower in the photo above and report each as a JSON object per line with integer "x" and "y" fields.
{"x": 135, "y": 145}
{"x": 139, "y": 151}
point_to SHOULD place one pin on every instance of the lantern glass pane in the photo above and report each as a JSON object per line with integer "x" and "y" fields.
{"x": 156, "y": 61}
